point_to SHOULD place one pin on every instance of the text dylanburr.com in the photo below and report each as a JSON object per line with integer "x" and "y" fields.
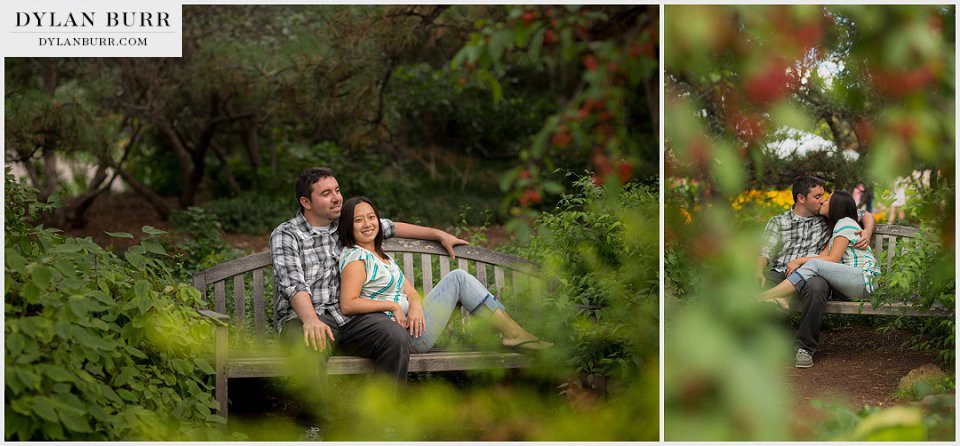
{"x": 92, "y": 41}
{"x": 62, "y": 28}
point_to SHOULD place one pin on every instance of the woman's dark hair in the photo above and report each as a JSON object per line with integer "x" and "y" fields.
{"x": 841, "y": 205}
{"x": 345, "y": 225}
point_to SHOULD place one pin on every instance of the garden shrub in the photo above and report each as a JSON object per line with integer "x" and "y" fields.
{"x": 434, "y": 109}
{"x": 99, "y": 347}
{"x": 201, "y": 244}
{"x": 922, "y": 273}
{"x": 600, "y": 247}
{"x": 252, "y": 212}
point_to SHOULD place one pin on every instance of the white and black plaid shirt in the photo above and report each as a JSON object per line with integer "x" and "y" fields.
{"x": 306, "y": 258}
{"x": 789, "y": 236}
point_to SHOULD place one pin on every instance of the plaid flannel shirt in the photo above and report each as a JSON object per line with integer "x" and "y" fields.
{"x": 306, "y": 258}
{"x": 789, "y": 236}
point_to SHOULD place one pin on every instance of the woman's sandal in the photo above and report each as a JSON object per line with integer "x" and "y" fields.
{"x": 520, "y": 346}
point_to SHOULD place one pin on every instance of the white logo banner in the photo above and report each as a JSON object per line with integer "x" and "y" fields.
{"x": 31, "y": 28}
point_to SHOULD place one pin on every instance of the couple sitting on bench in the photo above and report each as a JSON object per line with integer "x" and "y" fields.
{"x": 845, "y": 262}
{"x": 359, "y": 298}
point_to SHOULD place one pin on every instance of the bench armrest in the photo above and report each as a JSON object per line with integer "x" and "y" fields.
{"x": 217, "y": 318}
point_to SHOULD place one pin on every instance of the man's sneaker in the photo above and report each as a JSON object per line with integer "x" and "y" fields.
{"x": 311, "y": 434}
{"x": 804, "y": 359}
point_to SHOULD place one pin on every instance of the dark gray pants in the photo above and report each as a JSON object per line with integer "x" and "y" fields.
{"x": 813, "y": 304}
{"x": 371, "y": 335}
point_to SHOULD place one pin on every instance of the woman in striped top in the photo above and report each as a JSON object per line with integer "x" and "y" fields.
{"x": 850, "y": 271}
{"x": 372, "y": 282}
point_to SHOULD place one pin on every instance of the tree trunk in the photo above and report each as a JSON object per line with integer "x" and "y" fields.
{"x": 146, "y": 193}
{"x": 225, "y": 166}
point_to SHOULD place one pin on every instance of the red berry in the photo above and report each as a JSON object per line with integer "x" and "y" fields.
{"x": 590, "y": 62}
{"x": 550, "y": 37}
{"x": 624, "y": 171}
{"x": 561, "y": 139}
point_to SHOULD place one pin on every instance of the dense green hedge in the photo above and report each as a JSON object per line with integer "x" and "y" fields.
{"x": 599, "y": 248}
{"x": 99, "y": 346}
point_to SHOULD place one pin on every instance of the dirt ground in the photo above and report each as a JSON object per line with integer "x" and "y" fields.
{"x": 855, "y": 366}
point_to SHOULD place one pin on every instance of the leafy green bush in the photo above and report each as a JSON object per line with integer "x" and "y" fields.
{"x": 98, "y": 347}
{"x": 600, "y": 248}
{"x": 252, "y": 212}
{"x": 435, "y": 110}
{"x": 201, "y": 244}
{"x": 922, "y": 273}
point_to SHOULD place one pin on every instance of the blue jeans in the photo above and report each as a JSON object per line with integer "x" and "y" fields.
{"x": 845, "y": 279}
{"x": 456, "y": 287}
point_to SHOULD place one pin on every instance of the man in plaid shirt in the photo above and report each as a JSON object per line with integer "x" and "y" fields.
{"x": 803, "y": 232}
{"x": 306, "y": 252}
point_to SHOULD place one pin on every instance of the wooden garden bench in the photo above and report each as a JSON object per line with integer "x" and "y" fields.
{"x": 884, "y": 240}
{"x": 246, "y": 344}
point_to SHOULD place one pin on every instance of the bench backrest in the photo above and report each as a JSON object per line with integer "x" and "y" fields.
{"x": 885, "y": 238}
{"x": 247, "y": 279}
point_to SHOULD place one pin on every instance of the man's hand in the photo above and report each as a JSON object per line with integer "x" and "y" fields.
{"x": 864, "y": 241}
{"x": 315, "y": 334}
{"x": 416, "y": 320}
{"x": 761, "y": 267}
{"x": 448, "y": 241}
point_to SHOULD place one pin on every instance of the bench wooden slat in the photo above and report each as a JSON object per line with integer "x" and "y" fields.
{"x": 200, "y": 285}
{"x": 498, "y": 278}
{"x": 238, "y": 266}
{"x": 219, "y": 297}
{"x": 466, "y": 252}
{"x": 464, "y": 315}
{"x": 408, "y": 266}
{"x": 426, "y": 266}
{"x": 259, "y": 312}
{"x": 444, "y": 266}
{"x": 886, "y": 309}
{"x": 482, "y": 273}
{"x": 239, "y": 303}
{"x": 277, "y": 365}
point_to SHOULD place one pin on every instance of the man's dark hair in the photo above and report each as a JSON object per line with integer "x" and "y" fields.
{"x": 306, "y": 179}
{"x": 804, "y": 183}
{"x": 345, "y": 225}
{"x": 841, "y": 205}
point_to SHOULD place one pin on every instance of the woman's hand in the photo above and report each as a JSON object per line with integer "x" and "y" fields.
{"x": 399, "y": 316}
{"x": 417, "y": 321}
{"x": 793, "y": 265}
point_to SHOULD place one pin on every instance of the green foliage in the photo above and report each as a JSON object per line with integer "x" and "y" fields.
{"x": 200, "y": 244}
{"x": 606, "y": 81}
{"x": 922, "y": 273}
{"x": 252, "y": 212}
{"x": 599, "y": 249}
{"x": 99, "y": 347}
{"x": 882, "y": 424}
{"x": 924, "y": 387}
{"x": 436, "y": 111}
